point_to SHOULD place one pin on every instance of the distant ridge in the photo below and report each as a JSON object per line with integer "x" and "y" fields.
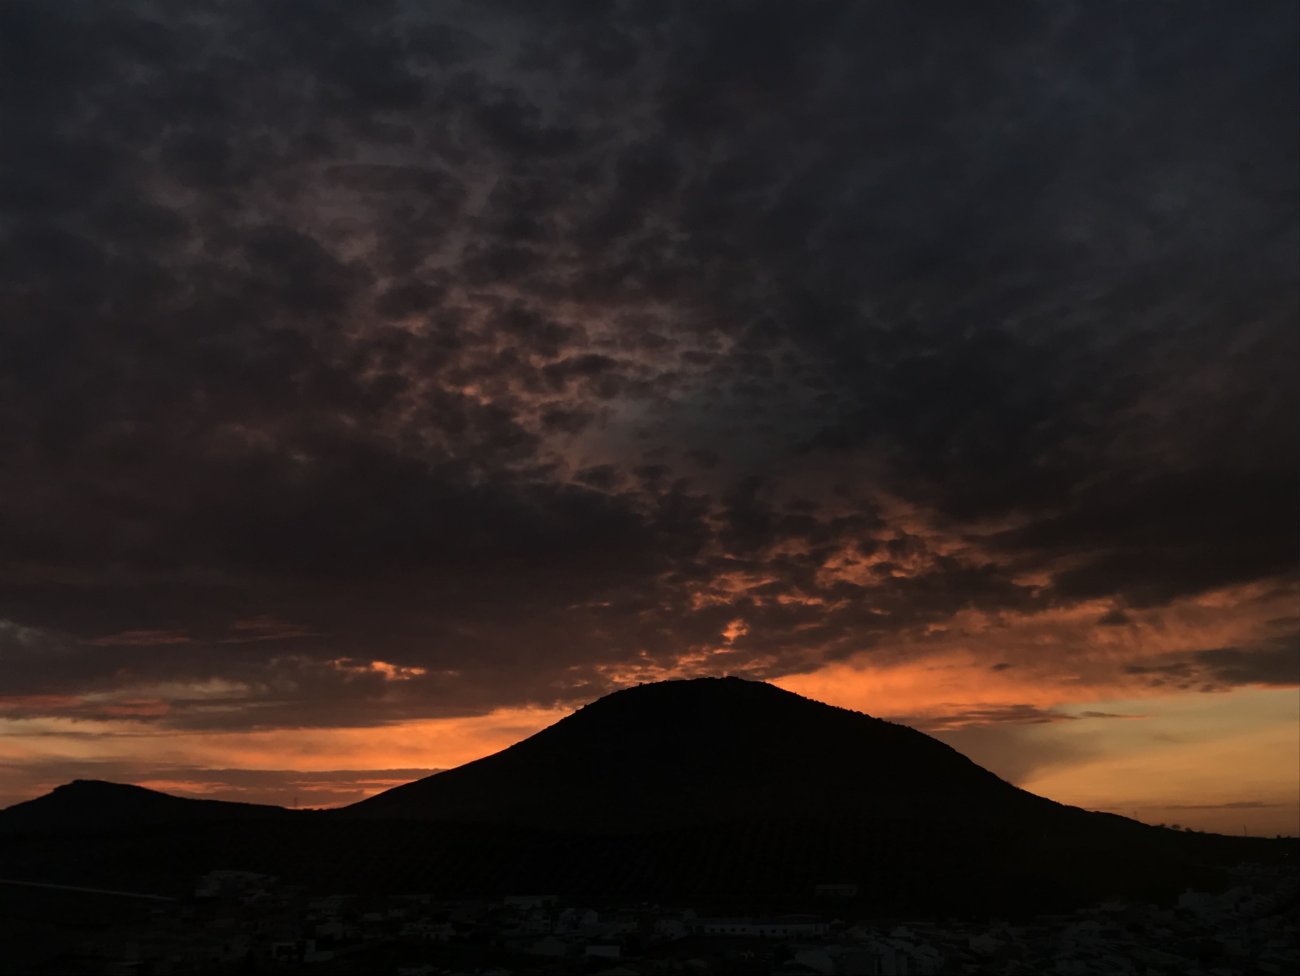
{"x": 93, "y": 806}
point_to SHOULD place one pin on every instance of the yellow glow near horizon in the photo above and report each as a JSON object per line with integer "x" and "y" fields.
{"x": 425, "y": 743}
{"x": 1213, "y": 761}
{"x": 1216, "y": 761}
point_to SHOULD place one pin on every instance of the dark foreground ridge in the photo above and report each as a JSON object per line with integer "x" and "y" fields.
{"x": 714, "y": 788}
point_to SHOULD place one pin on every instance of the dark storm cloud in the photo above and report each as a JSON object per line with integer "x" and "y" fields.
{"x": 524, "y": 347}
{"x": 1273, "y": 663}
{"x": 1276, "y": 665}
{"x": 957, "y": 720}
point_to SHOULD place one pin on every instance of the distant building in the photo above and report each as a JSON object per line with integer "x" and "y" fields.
{"x": 674, "y": 927}
{"x": 778, "y": 927}
{"x": 233, "y": 884}
{"x": 820, "y": 961}
{"x": 577, "y": 920}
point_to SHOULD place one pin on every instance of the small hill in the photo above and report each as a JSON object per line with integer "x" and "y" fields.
{"x": 87, "y": 806}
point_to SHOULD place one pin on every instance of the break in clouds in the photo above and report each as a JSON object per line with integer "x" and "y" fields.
{"x": 365, "y": 362}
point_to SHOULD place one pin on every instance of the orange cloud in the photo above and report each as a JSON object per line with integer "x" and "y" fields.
{"x": 390, "y": 672}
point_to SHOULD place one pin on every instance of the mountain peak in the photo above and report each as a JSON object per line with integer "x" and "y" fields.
{"x": 716, "y": 689}
{"x": 717, "y": 685}
{"x": 697, "y": 749}
{"x": 719, "y": 690}
{"x": 102, "y": 787}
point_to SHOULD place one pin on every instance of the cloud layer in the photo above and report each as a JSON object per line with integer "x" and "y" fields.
{"x": 367, "y": 363}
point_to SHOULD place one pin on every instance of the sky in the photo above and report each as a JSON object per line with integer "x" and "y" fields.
{"x": 381, "y": 381}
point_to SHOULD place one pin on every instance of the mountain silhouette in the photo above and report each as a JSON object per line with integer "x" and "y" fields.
{"x": 93, "y": 806}
{"x": 709, "y": 750}
{"x": 709, "y": 789}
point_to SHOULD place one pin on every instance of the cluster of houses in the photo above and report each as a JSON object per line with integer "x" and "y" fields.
{"x": 239, "y": 921}
{"x": 538, "y": 925}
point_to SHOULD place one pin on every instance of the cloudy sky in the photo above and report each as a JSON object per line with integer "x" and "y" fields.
{"x": 380, "y": 381}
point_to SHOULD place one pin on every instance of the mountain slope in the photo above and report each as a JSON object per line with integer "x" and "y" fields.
{"x": 736, "y": 789}
{"x": 704, "y": 751}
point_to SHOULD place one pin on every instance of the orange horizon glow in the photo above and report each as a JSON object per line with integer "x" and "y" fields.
{"x": 1049, "y": 700}
{"x": 1209, "y": 760}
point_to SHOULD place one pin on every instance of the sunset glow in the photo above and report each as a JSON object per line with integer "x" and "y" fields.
{"x": 382, "y": 382}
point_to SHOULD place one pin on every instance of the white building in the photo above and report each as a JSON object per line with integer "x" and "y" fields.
{"x": 777, "y": 927}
